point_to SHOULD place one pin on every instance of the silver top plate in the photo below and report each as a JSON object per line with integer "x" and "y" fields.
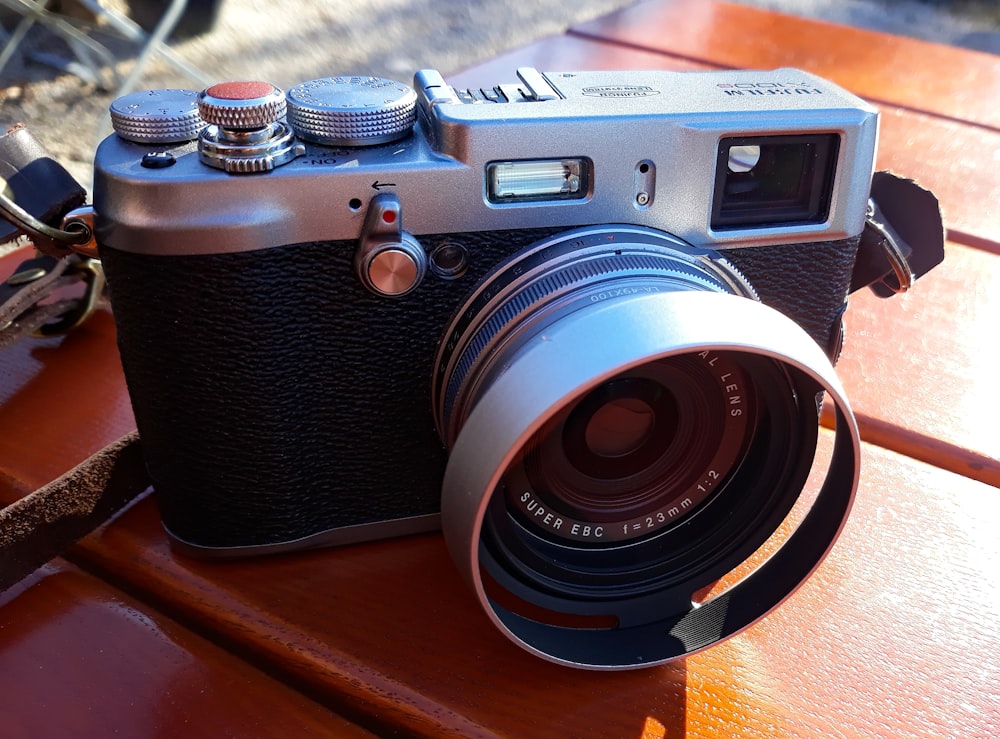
{"x": 669, "y": 122}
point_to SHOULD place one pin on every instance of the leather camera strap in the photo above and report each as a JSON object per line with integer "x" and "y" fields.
{"x": 35, "y": 190}
{"x": 24, "y": 308}
{"x": 43, "y": 524}
{"x": 33, "y": 302}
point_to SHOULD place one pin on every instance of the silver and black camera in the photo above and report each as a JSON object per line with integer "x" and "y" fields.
{"x": 583, "y": 322}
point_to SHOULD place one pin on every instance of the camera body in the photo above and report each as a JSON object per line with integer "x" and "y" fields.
{"x": 281, "y": 310}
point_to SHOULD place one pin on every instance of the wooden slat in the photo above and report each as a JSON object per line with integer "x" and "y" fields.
{"x": 904, "y": 608}
{"x": 959, "y": 162}
{"x": 913, "y": 74}
{"x": 920, "y": 368}
{"x": 78, "y": 658}
{"x": 66, "y": 394}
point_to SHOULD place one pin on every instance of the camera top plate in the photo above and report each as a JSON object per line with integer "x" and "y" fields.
{"x": 650, "y": 140}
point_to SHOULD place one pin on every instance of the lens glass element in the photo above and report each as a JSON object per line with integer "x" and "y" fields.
{"x": 637, "y": 454}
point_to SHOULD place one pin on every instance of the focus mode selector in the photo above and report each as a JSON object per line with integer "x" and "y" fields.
{"x": 247, "y": 133}
{"x": 351, "y": 111}
{"x": 389, "y": 261}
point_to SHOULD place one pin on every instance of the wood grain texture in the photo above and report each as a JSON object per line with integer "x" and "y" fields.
{"x": 82, "y": 659}
{"x": 923, "y": 76}
{"x": 918, "y": 368}
{"x": 906, "y": 606}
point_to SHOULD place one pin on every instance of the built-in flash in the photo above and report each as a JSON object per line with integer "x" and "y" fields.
{"x": 537, "y": 179}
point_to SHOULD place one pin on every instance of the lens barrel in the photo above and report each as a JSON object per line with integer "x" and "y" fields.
{"x": 627, "y": 425}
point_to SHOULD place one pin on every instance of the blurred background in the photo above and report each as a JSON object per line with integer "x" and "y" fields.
{"x": 44, "y": 83}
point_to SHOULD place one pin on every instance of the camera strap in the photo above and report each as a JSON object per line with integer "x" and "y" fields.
{"x": 903, "y": 238}
{"x": 35, "y": 192}
{"x": 42, "y": 298}
{"x": 43, "y": 524}
{"x": 34, "y": 300}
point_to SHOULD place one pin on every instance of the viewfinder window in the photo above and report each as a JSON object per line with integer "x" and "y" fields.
{"x": 780, "y": 180}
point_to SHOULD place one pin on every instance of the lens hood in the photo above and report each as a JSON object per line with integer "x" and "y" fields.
{"x": 558, "y": 366}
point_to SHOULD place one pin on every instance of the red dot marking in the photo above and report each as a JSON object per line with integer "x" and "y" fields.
{"x": 389, "y": 216}
{"x": 240, "y": 90}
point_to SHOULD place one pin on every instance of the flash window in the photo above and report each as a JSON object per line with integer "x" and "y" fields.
{"x": 534, "y": 180}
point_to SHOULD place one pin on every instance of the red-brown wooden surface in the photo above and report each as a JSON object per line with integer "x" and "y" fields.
{"x": 915, "y": 74}
{"x": 895, "y": 635}
{"x": 80, "y": 658}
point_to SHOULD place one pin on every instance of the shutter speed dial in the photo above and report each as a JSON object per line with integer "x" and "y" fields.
{"x": 351, "y": 111}
{"x": 389, "y": 261}
{"x": 157, "y": 116}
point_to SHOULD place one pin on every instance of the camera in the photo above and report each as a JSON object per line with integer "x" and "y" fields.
{"x": 584, "y": 322}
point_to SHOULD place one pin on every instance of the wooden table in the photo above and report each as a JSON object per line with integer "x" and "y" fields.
{"x": 897, "y": 634}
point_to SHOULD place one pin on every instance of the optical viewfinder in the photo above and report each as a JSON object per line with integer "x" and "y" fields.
{"x": 774, "y": 180}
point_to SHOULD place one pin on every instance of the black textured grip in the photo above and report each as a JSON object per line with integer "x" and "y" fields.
{"x": 276, "y": 398}
{"x": 807, "y": 282}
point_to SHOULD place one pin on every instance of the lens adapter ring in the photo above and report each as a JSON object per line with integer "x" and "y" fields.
{"x": 546, "y": 375}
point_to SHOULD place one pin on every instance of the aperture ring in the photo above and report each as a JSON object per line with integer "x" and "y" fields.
{"x": 577, "y": 264}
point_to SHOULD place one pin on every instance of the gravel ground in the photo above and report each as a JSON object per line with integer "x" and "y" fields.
{"x": 305, "y": 40}
{"x": 294, "y": 40}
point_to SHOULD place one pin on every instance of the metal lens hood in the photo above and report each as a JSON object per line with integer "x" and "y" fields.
{"x": 553, "y": 371}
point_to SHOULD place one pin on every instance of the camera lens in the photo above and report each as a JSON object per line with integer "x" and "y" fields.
{"x": 619, "y": 428}
{"x": 626, "y": 460}
{"x": 627, "y": 425}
